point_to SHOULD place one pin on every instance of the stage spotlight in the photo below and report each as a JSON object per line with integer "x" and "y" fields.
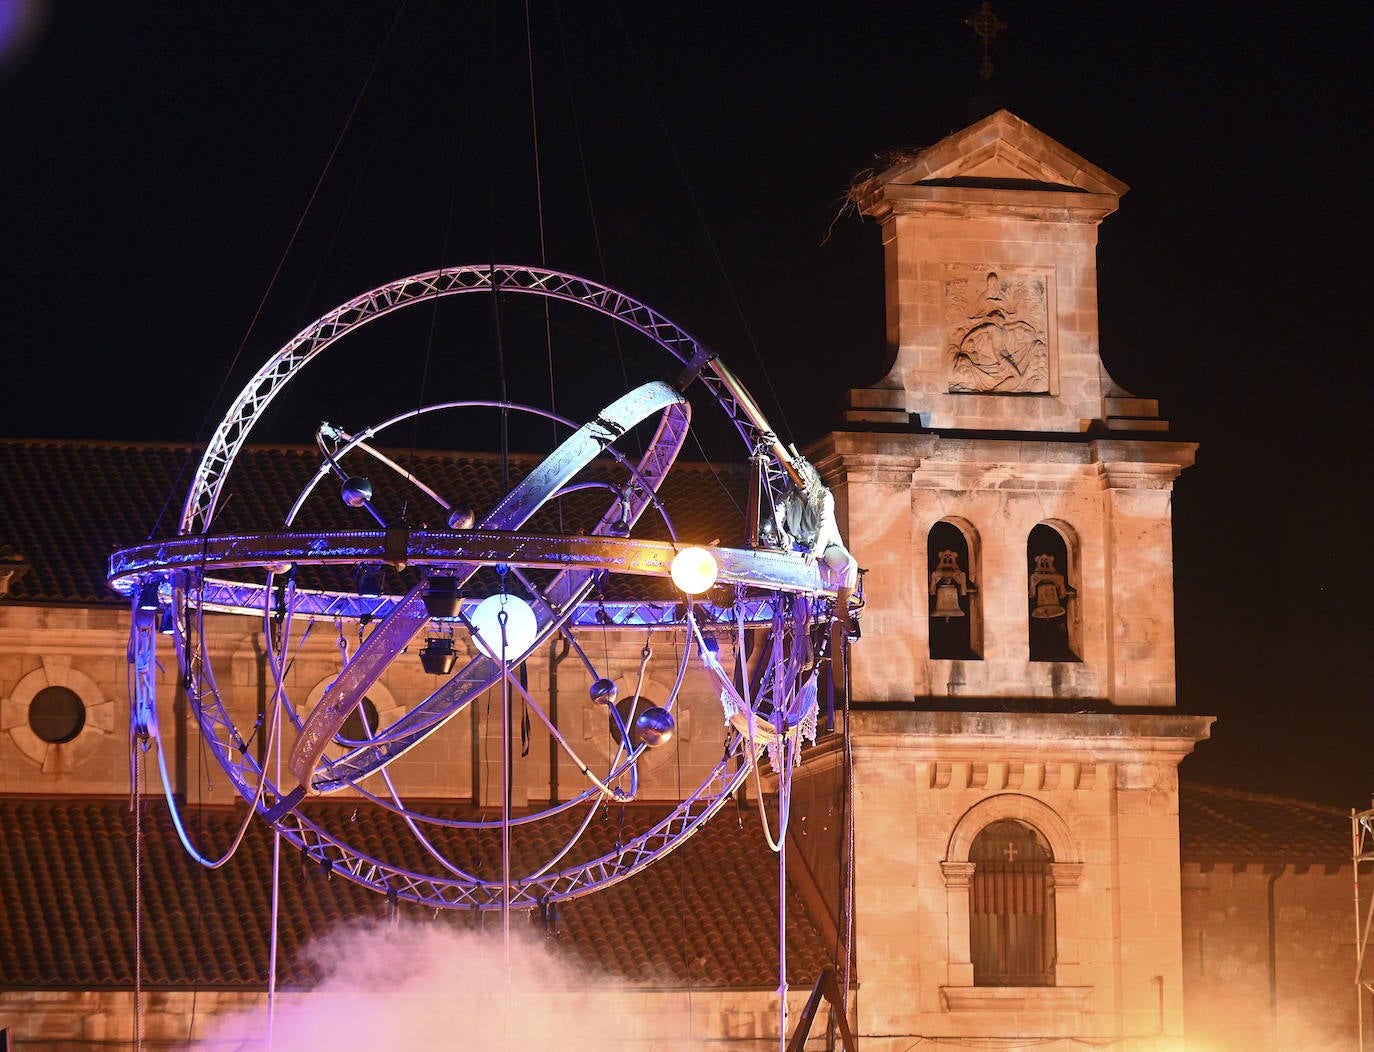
{"x": 148, "y": 598}
{"x": 438, "y": 657}
{"x": 442, "y": 597}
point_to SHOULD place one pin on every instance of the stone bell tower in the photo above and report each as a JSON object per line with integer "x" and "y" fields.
{"x": 998, "y": 439}
{"x": 1014, "y": 747}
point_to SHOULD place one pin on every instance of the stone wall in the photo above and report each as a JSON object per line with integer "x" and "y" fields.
{"x": 1269, "y": 958}
{"x": 1109, "y": 499}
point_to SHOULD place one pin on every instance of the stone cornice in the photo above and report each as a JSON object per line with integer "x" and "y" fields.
{"x": 941, "y": 459}
{"x": 1000, "y": 166}
{"x": 1010, "y": 446}
{"x": 1033, "y": 1001}
{"x": 859, "y": 456}
{"x": 1014, "y": 736}
{"x": 1144, "y": 451}
{"x": 977, "y": 202}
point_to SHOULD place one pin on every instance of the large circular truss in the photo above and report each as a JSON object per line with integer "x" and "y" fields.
{"x": 282, "y": 576}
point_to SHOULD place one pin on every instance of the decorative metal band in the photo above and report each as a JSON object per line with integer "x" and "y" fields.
{"x": 444, "y": 549}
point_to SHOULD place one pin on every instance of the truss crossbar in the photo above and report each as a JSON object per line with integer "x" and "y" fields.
{"x": 437, "y": 550}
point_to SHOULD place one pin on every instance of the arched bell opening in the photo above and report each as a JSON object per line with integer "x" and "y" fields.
{"x": 1052, "y": 595}
{"x": 954, "y": 607}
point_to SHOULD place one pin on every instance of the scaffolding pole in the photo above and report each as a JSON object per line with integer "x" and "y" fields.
{"x": 1362, "y": 850}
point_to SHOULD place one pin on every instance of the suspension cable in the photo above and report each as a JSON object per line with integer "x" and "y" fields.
{"x": 539, "y": 200}
{"x": 281, "y": 261}
{"x": 701, "y": 218}
{"x": 276, "y": 657}
{"x": 784, "y": 804}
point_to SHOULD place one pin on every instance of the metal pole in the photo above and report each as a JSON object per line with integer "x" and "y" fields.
{"x": 505, "y": 797}
{"x": 1355, "y": 852}
{"x": 784, "y": 793}
{"x": 750, "y": 408}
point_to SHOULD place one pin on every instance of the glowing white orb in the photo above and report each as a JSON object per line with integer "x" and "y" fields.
{"x": 694, "y": 570}
{"x": 520, "y": 627}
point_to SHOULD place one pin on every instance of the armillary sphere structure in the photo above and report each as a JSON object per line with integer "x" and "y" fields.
{"x": 481, "y": 594}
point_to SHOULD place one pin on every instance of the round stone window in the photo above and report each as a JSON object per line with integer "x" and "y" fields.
{"x": 57, "y": 715}
{"x": 353, "y": 729}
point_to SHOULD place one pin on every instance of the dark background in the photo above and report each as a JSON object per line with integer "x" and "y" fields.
{"x": 161, "y": 178}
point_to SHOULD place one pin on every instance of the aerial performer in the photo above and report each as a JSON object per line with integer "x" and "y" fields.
{"x": 806, "y": 519}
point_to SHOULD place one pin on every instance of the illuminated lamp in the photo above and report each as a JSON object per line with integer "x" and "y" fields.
{"x": 520, "y": 626}
{"x": 694, "y": 570}
{"x": 438, "y": 657}
{"x": 442, "y": 597}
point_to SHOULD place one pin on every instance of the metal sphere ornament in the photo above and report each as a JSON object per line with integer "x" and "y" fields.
{"x": 461, "y": 517}
{"x": 521, "y": 573}
{"x": 357, "y": 491}
{"x": 654, "y": 726}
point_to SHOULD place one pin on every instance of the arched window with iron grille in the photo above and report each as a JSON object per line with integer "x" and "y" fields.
{"x": 1011, "y": 907}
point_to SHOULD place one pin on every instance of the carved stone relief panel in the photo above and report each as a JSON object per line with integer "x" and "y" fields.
{"x": 996, "y": 321}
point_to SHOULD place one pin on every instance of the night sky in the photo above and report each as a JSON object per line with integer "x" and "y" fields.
{"x": 157, "y": 160}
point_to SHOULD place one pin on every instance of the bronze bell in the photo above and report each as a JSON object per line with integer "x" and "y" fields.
{"x": 947, "y": 583}
{"x": 1047, "y": 602}
{"x": 1047, "y": 588}
{"x": 947, "y": 600}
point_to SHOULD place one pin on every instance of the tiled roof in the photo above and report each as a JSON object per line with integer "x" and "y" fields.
{"x": 1226, "y": 825}
{"x": 704, "y": 916}
{"x": 66, "y": 505}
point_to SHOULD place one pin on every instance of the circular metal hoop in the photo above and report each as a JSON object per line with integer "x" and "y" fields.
{"x": 233, "y": 430}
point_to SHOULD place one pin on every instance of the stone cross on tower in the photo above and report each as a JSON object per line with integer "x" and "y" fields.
{"x": 985, "y": 26}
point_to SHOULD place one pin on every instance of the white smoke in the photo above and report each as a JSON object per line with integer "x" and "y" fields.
{"x": 422, "y": 987}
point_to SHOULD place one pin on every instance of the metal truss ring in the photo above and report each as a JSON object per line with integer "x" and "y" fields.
{"x": 196, "y": 572}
